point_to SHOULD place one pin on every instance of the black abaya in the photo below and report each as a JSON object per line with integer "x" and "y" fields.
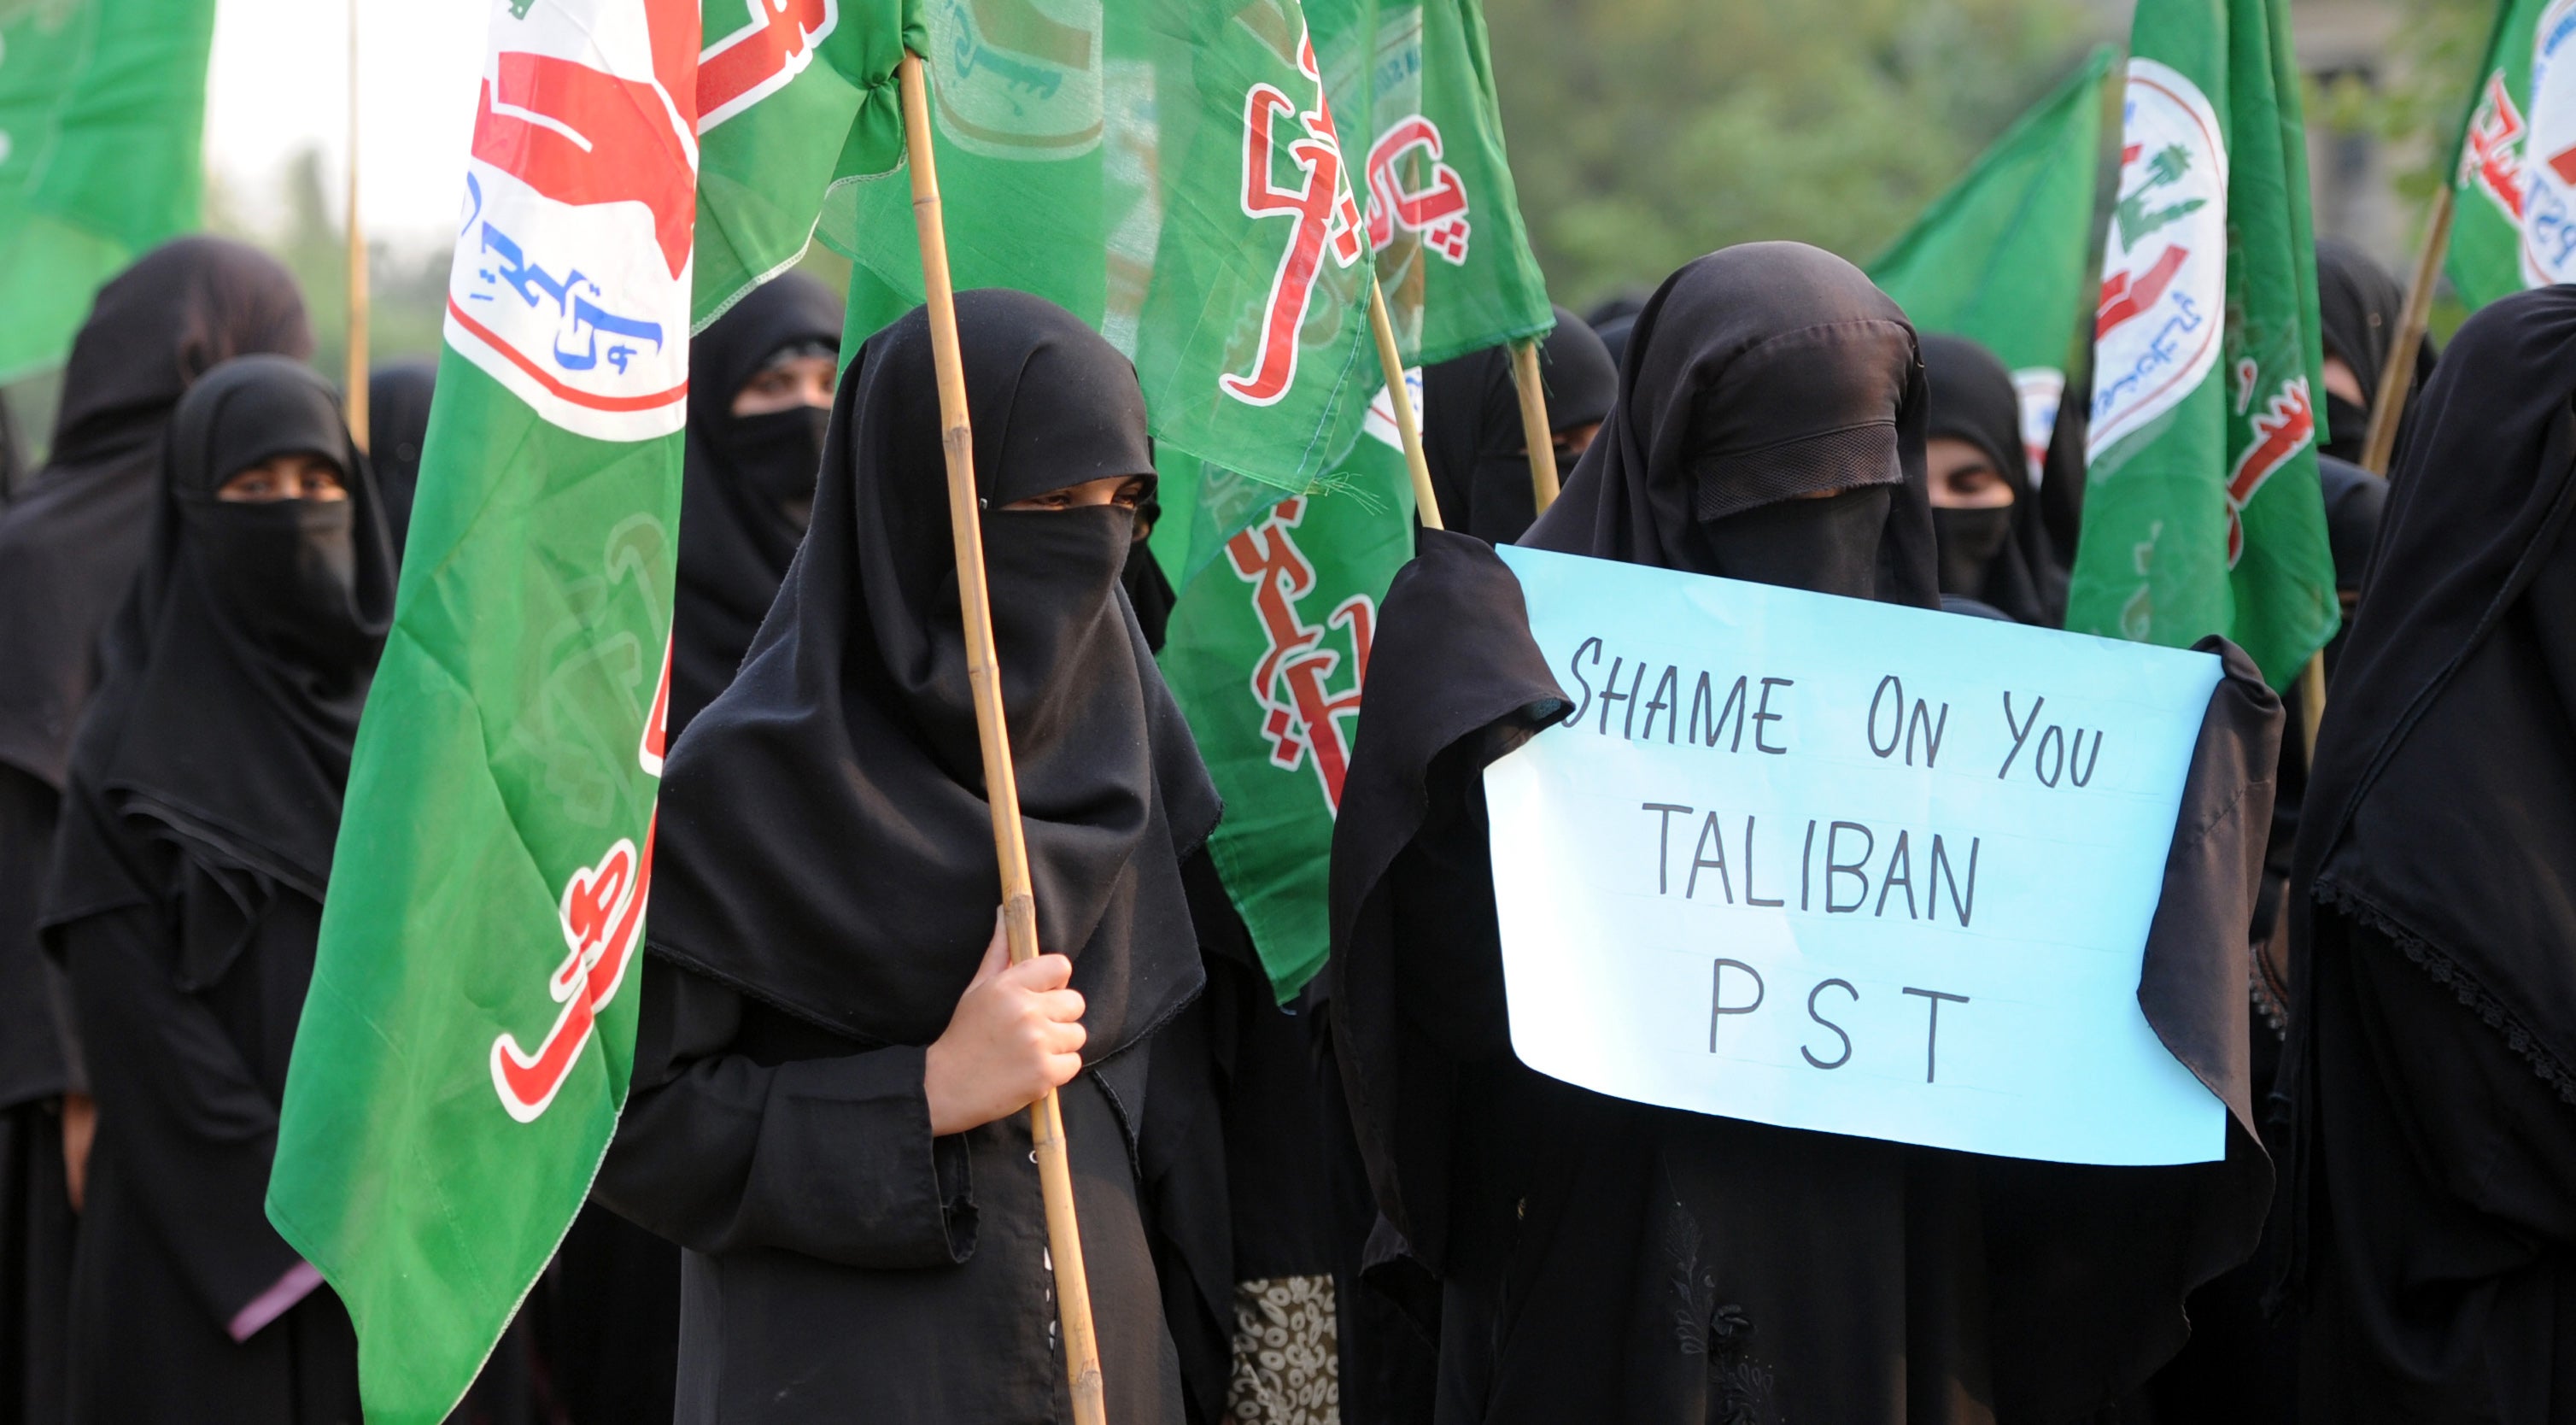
{"x": 829, "y": 886}
{"x": 2431, "y": 1068}
{"x": 1606, "y": 1260}
{"x": 69, "y": 545}
{"x": 185, "y": 901}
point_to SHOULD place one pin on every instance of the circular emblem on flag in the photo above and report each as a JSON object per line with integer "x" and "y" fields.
{"x": 2157, "y": 328}
{"x": 1021, "y": 81}
{"x": 2549, "y": 152}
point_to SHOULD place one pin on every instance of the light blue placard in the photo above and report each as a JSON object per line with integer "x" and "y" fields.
{"x": 1837, "y": 865}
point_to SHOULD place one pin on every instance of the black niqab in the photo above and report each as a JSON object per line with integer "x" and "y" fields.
{"x": 1471, "y": 425}
{"x": 69, "y": 548}
{"x": 398, "y": 395}
{"x": 828, "y": 848}
{"x": 749, "y": 485}
{"x": 2360, "y": 308}
{"x": 1973, "y": 399}
{"x": 1757, "y": 376}
{"x": 237, "y": 667}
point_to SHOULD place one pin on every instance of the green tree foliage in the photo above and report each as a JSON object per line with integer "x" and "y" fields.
{"x": 2416, "y": 101}
{"x": 1646, "y": 132}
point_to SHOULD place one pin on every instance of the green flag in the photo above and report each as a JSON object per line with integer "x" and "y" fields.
{"x": 795, "y": 98}
{"x": 464, "y": 1049}
{"x": 2005, "y": 255}
{"x": 2515, "y": 224}
{"x": 1267, "y": 652}
{"x": 102, "y": 104}
{"x": 1269, "y": 642}
{"x": 1171, "y": 174}
{"x": 2201, "y": 509}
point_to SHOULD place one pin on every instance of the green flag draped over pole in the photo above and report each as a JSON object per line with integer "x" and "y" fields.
{"x": 2201, "y": 509}
{"x": 2005, "y": 255}
{"x": 1269, "y": 641}
{"x": 465, "y": 1047}
{"x": 102, "y": 106}
{"x": 2515, "y": 226}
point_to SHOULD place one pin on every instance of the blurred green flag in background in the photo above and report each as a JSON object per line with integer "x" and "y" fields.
{"x": 2202, "y": 512}
{"x": 2005, "y": 256}
{"x": 102, "y": 107}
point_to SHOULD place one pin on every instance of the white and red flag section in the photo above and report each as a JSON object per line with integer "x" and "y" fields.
{"x": 2202, "y": 512}
{"x": 465, "y": 1047}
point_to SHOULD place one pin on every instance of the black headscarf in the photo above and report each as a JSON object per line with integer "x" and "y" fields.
{"x": 236, "y": 668}
{"x": 1999, "y": 557}
{"x": 70, "y": 547}
{"x": 397, "y": 426}
{"x": 827, "y": 845}
{"x": 1149, "y": 593}
{"x": 1613, "y": 318}
{"x": 1758, "y": 375}
{"x": 2360, "y": 306}
{"x": 749, "y": 485}
{"x": 2442, "y": 806}
{"x": 1471, "y": 425}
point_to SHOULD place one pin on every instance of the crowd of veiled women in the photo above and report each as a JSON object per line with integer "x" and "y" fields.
{"x": 1360, "y": 1207}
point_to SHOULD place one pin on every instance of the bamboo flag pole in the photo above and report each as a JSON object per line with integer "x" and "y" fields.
{"x": 1426, "y": 501}
{"x": 1019, "y": 899}
{"x": 2399, "y": 373}
{"x": 1534, "y": 424}
{"x": 356, "y": 372}
{"x": 2387, "y": 406}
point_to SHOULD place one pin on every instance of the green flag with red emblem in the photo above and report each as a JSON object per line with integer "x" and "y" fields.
{"x": 2202, "y": 512}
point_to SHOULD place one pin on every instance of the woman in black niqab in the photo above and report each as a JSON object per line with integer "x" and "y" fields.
{"x": 1472, "y": 434}
{"x": 827, "y": 886}
{"x": 1999, "y": 556}
{"x": 398, "y": 395}
{"x": 69, "y": 544}
{"x": 186, "y": 898}
{"x": 749, "y": 487}
{"x": 611, "y": 1303}
{"x": 2432, "y": 1063}
{"x": 2360, "y": 309}
{"x": 1606, "y": 1260}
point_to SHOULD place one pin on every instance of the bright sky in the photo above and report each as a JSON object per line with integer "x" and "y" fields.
{"x": 279, "y": 83}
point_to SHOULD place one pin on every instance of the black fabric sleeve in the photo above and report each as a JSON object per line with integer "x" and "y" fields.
{"x": 830, "y": 1157}
{"x": 192, "y": 1130}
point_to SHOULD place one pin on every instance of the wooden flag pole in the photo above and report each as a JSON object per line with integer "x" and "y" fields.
{"x": 1426, "y": 501}
{"x": 2399, "y": 373}
{"x": 1534, "y": 425}
{"x": 1019, "y": 899}
{"x": 356, "y": 366}
{"x": 2387, "y": 407}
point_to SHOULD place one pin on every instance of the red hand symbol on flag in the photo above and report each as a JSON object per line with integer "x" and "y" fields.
{"x": 776, "y": 44}
{"x": 2123, "y": 299}
{"x": 582, "y": 136}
